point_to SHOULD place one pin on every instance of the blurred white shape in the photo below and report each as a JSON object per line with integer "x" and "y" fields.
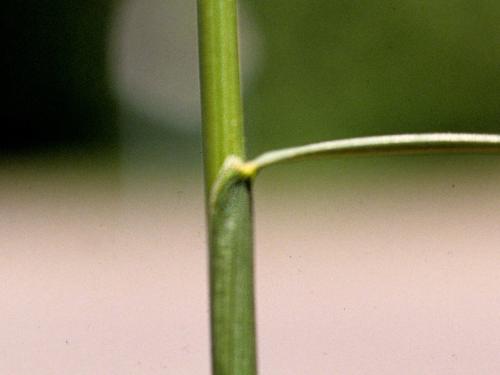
{"x": 154, "y": 59}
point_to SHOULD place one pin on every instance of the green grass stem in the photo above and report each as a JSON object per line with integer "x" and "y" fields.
{"x": 230, "y": 220}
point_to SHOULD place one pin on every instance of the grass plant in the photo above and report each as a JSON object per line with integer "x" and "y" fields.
{"x": 229, "y": 176}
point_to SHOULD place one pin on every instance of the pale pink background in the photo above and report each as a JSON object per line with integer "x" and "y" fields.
{"x": 378, "y": 276}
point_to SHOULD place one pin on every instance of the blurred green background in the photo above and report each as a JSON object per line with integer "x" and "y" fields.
{"x": 383, "y": 265}
{"x": 118, "y": 79}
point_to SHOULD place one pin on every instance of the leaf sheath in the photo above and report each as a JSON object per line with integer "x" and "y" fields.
{"x": 231, "y": 284}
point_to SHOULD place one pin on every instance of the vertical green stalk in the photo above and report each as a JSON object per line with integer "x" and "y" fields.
{"x": 230, "y": 219}
{"x": 220, "y": 84}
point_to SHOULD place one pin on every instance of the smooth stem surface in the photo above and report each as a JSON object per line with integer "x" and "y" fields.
{"x": 230, "y": 221}
{"x": 220, "y": 84}
{"x": 232, "y": 292}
